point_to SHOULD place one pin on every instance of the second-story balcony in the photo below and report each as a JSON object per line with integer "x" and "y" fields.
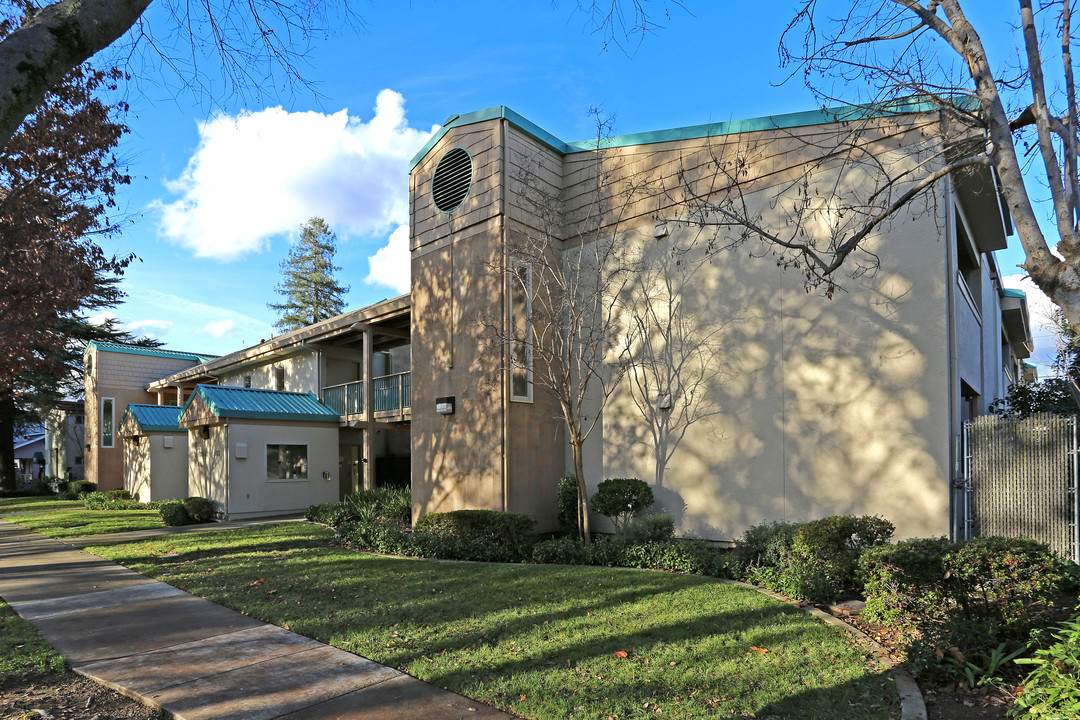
{"x": 392, "y": 397}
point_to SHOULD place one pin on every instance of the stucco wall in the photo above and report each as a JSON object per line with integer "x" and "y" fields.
{"x": 301, "y": 374}
{"x": 252, "y": 495}
{"x": 123, "y": 377}
{"x": 208, "y": 465}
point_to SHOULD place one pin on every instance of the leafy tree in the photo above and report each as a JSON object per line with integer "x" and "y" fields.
{"x": 311, "y": 292}
{"x": 58, "y": 177}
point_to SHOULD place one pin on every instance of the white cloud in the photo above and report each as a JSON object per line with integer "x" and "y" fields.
{"x": 219, "y": 328}
{"x": 101, "y": 318}
{"x": 1040, "y": 312}
{"x": 390, "y": 266}
{"x": 261, "y": 174}
{"x": 150, "y": 325}
{"x": 190, "y": 317}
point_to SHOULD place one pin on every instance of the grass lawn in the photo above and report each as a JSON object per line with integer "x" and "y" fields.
{"x": 540, "y": 641}
{"x": 21, "y": 648}
{"x": 77, "y": 521}
{"x": 41, "y": 502}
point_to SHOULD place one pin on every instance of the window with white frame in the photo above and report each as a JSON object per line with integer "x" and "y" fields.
{"x": 521, "y": 352}
{"x": 107, "y": 420}
{"x": 286, "y": 462}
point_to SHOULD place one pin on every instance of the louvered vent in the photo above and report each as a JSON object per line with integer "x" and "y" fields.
{"x": 453, "y": 178}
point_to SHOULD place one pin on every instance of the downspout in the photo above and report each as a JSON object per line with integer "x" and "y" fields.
{"x": 504, "y": 282}
{"x": 955, "y": 453}
{"x": 228, "y": 468}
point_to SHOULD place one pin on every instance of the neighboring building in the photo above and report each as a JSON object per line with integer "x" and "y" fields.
{"x": 65, "y": 441}
{"x": 260, "y": 452}
{"x": 116, "y": 375}
{"x": 155, "y": 452}
{"x": 29, "y": 456}
{"x": 828, "y": 406}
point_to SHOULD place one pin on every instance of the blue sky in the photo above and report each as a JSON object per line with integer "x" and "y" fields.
{"x": 219, "y": 188}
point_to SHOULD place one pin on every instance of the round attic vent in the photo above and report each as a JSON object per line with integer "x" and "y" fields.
{"x": 452, "y": 180}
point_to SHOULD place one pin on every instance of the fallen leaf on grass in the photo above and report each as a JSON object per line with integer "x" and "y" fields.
{"x": 760, "y": 650}
{"x": 620, "y": 654}
{"x": 260, "y": 581}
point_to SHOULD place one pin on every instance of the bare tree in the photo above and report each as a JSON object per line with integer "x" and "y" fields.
{"x": 246, "y": 40}
{"x": 566, "y": 272}
{"x": 674, "y": 353}
{"x": 887, "y": 56}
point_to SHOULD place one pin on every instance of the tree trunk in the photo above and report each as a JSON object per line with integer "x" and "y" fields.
{"x": 52, "y": 42}
{"x": 583, "y": 504}
{"x": 8, "y": 480}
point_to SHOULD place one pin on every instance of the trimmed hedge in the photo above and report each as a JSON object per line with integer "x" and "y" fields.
{"x": 507, "y": 530}
{"x": 814, "y": 561}
{"x": 963, "y": 603}
{"x": 174, "y": 514}
{"x": 193, "y": 510}
{"x": 199, "y": 509}
{"x": 112, "y": 500}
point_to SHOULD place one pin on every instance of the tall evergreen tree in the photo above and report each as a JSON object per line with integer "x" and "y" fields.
{"x": 308, "y": 284}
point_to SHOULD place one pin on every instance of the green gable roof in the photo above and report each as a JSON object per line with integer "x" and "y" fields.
{"x": 237, "y": 402}
{"x": 154, "y": 417}
{"x": 151, "y": 351}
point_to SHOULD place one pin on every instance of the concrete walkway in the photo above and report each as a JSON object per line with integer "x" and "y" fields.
{"x": 192, "y": 657}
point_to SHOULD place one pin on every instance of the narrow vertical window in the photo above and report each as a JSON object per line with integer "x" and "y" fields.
{"x": 107, "y": 422}
{"x": 279, "y": 378}
{"x": 521, "y": 355}
{"x": 247, "y": 381}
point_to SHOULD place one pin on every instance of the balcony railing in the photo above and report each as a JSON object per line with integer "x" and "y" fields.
{"x": 346, "y": 399}
{"x": 393, "y": 393}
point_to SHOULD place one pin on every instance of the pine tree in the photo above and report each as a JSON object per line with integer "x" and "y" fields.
{"x": 308, "y": 284}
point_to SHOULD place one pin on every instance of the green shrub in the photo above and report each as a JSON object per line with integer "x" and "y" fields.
{"x": 1051, "y": 691}
{"x": 560, "y": 551}
{"x": 381, "y": 537}
{"x": 173, "y": 513}
{"x": 106, "y": 501}
{"x": 688, "y": 556}
{"x": 814, "y": 561}
{"x": 967, "y": 605}
{"x": 118, "y": 494}
{"x": 906, "y": 580}
{"x": 199, "y": 509}
{"x": 80, "y": 486}
{"x": 567, "y": 499}
{"x": 329, "y": 513}
{"x": 509, "y": 531}
{"x": 620, "y": 499}
{"x": 648, "y": 528}
{"x": 765, "y": 544}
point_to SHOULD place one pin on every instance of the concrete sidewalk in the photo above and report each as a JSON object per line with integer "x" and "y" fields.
{"x": 192, "y": 657}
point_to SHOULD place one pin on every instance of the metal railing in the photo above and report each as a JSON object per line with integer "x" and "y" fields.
{"x": 345, "y": 399}
{"x": 392, "y": 393}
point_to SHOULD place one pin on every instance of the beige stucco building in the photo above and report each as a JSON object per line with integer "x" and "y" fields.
{"x": 806, "y": 403}
{"x": 819, "y": 406}
{"x": 155, "y": 452}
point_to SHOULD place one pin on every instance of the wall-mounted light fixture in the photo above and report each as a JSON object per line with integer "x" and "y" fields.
{"x": 444, "y": 405}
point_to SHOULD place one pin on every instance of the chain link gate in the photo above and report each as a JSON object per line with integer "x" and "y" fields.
{"x": 1020, "y": 479}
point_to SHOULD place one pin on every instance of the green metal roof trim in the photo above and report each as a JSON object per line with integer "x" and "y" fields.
{"x": 238, "y": 402}
{"x": 140, "y": 350}
{"x": 844, "y": 113}
{"x": 155, "y": 417}
{"x": 1014, "y": 293}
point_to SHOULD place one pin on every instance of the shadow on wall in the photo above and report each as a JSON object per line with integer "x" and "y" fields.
{"x": 835, "y": 406}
